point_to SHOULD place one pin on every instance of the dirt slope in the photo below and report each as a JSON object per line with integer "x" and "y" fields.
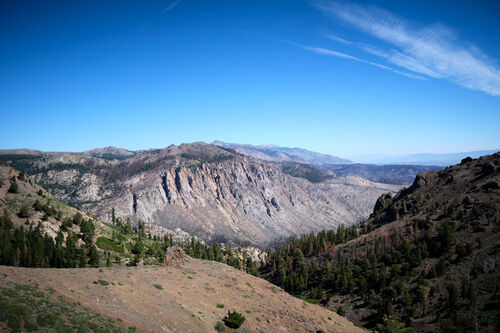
{"x": 185, "y": 299}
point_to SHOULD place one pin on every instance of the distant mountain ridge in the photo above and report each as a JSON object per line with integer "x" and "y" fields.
{"x": 275, "y": 153}
{"x": 399, "y": 174}
{"x": 298, "y": 162}
{"x": 390, "y": 173}
{"x": 110, "y": 153}
{"x": 397, "y": 170}
{"x": 440, "y": 159}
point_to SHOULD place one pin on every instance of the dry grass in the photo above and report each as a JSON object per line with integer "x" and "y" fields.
{"x": 183, "y": 305}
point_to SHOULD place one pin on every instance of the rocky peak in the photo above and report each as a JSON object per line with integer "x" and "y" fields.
{"x": 471, "y": 181}
{"x": 109, "y": 153}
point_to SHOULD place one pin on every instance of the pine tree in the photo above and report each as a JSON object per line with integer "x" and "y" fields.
{"x": 446, "y": 236}
{"x": 138, "y": 248}
{"x": 71, "y": 250}
{"x": 341, "y": 234}
{"x": 108, "y": 259}
{"x": 14, "y": 188}
{"x": 93, "y": 256}
{"x": 217, "y": 251}
{"x": 128, "y": 228}
{"x": 82, "y": 257}
{"x": 423, "y": 296}
{"x": 451, "y": 301}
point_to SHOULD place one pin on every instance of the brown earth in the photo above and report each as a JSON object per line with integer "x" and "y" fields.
{"x": 185, "y": 299}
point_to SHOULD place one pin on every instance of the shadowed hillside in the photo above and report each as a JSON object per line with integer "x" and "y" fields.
{"x": 428, "y": 257}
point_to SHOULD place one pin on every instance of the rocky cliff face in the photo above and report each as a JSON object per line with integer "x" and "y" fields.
{"x": 208, "y": 191}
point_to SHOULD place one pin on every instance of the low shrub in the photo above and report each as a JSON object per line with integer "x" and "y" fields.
{"x": 219, "y": 327}
{"x": 47, "y": 319}
{"x": 24, "y": 212}
{"x": 234, "y": 319}
{"x": 341, "y": 311}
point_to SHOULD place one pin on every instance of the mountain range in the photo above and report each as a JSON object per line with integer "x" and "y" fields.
{"x": 426, "y": 257}
{"x": 275, "y": 153}
{"x": 205, "y": 190}
{"x": 177, "y": 294}
{"x": 390, "y": 169}
{"x": 439, "y": 159}
{"x": 398, "y": 173}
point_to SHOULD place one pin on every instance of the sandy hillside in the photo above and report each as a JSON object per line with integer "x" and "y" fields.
{"x": 186, "y": 299}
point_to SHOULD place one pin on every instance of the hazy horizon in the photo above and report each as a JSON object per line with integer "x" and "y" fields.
{"x": 440, "y": 158}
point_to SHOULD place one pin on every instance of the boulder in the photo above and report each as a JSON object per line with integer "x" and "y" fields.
{"x": 487, "y": 265}
{"x": 491, "y": 185}
{"x": 466, "y": 160}
{"x": 487, "y": 169}
{"x": 382, "y": 202}
{"x": 175, "y": 256}
{"x": 420, "y": 180}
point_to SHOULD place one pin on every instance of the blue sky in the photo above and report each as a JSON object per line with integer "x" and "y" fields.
{"x": 344, "y": 78}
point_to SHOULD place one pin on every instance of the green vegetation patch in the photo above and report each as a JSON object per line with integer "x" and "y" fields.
{"x": 103, "y": 283}
{"x": 158, "y": 286}
{"x": 234, "y": 319}
{"x": 107, "y": 244}
{"x": 27, "y": 308}
{"x": 219, "y": 327}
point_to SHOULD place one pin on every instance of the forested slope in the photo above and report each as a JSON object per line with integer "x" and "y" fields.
{"x": 427, "y": 258}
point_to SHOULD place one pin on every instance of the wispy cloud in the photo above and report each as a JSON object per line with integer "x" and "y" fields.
{"x": 328, "y": 52}
{"x": 147, "y": 24}
{"x": 433, "y": 50}
{"x": 171, "y": 6}
{"x": 334, "y": 53}
{"x": 365, "y": 47}
{"x": 335, "y": 38}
